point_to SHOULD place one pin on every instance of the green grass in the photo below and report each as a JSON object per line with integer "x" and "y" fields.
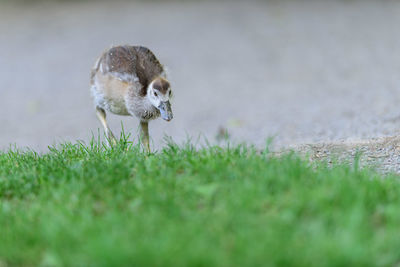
{"x": 94, "y": 206}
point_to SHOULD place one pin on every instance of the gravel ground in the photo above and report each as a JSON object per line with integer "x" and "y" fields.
{"x": 297, "y": 71}
{"x": 382, "y": 154}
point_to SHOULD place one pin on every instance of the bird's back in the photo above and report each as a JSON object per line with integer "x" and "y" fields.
{"x": 130, "y": 64}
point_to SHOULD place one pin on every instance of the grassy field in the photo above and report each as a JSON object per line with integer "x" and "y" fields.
{"x": 89, "y": 205}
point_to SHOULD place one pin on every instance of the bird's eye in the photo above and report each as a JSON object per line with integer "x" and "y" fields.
{"x": 155, "y": 94}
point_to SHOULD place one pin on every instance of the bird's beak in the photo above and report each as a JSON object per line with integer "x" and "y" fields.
{"x": 165, "y": 110}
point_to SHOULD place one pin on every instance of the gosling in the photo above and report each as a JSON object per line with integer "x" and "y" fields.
{"x": 130, "y": 81}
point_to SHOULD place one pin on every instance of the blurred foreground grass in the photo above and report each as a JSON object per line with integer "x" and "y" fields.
{"x": 89, "y": 205}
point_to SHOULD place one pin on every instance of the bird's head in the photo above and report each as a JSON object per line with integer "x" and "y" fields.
{"x": 159, "y": 94}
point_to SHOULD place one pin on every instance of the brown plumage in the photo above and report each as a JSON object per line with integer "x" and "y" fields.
{"x": 131, "y": 60}
{"x": 129, "y": 80}
{"x": 161, "y": 85}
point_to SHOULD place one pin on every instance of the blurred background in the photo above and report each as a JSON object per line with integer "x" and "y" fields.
{"x": 297, "y": 71}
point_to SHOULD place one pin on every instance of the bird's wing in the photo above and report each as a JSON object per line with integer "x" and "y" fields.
{"x": 132, "y": 64}
{"x": 120, "y": 62}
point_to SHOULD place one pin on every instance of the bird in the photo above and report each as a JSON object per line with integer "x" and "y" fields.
{"x": 130, "y": 81}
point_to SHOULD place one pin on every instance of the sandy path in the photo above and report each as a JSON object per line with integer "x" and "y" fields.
{"x": 299, "y": 71}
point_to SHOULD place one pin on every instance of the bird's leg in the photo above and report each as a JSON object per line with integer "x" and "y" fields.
{"x": 144, "y": 135}
{"x": 101, "y": 114}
